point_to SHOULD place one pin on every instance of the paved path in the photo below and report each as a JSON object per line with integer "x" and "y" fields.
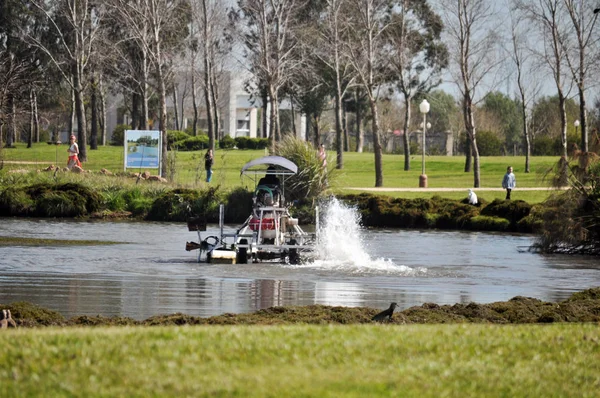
{"x": 434, "y": 189}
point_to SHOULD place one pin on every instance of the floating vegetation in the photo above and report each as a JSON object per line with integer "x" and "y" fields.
{"x": 580, "y": 307}
{"x": 20, "y": 241}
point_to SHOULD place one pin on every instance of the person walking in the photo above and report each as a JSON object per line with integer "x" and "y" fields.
{"x": 323, "y": 158}
{"x": 73, "y": 152}
{"x": 509, "y": 182}
{"x": 208, "y": 163}
{"x": 323, "y": 155}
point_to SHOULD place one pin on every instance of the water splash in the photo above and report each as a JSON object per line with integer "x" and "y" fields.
{"x": 341, "y": 246}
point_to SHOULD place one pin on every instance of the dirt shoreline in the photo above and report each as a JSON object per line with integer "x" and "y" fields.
{"x": 580, "y": 307}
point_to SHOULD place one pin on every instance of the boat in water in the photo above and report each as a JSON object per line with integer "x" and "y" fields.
{"x": 270, "y": 233}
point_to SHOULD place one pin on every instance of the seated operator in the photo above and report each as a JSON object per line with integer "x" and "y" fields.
{"x": 270, "y": 179}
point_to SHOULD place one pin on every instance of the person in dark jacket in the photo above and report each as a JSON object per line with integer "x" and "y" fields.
{"x": 208, "y": 163}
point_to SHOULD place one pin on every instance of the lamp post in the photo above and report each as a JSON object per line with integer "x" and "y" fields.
{"x": 424, "y": 108}
{"x": 576, "y": 124}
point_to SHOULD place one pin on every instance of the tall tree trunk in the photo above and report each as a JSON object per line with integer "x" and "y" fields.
{"x": 162, "y": 121}
{"x": 360, "y": 135}
{"x": 317, "y": 129}
{"x": 264, "y": 114}
{"x": 562, "y": 108}
{"x": 345, "y": 127}
{"x": 583, "y": 118}
{"x": 145, "y": 111}
{"x": 72, "y": 115}
{"x": 376, "y": 143}
{"x": 469, "y": 142}
{"x": 94, "y": 108}
{"x": 210, "y": 112}
{"x": 406, "y": 135}
{"x": 338, "y": 129}
{"x": 135, "y": 114}
{"x": 30, "y": 134}
{"x": 102, "y": 120}
{"x": 293, "y": 119}
{"x": 307, "y": 128}
{"x": 194, "y": 103}
{"x": 36, "y": 118}
{"x": 81, "y": 121}
{"x": 209, "y": 108}
{"x": 175, "y": 109}
{"x": 274, "y": 116}
{"x": 471, "y": 132}
{"x": 215, "y": 102}
{"x": 526, "y": 140}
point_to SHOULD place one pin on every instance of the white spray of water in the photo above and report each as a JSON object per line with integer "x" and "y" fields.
{"x": 340, "y": 245}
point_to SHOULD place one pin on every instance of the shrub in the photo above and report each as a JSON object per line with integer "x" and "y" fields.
{"x": 181, "y": 204}
{"x": 190, "y": 131}
{"x": 239, "y": 205}
{"x": 15, "y": 202}
{"x": 174, "y": 137}
{"x": 227, "y": 142}
{"x": 60, "y": 204}
{"x": 244, "y": 143}
{"x": 312, "y": 178}
{"x": 486, "y": 223}
{"x": 488, "y": 143}
{"x": 118, "y": 135}
{"x": 197, "y": 143}
{"x": 512, "y": 210}
{"x": 543, "y": 145}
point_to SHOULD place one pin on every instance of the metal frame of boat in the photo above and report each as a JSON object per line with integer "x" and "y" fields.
{"x": 270, "y": 232}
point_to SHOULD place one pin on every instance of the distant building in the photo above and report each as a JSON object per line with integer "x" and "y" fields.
{"x": 239, "y": 112}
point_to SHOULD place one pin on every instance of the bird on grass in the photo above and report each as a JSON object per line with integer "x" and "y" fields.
{"x": 385, "y": 314}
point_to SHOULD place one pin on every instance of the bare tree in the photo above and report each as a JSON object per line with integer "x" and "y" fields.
{"x": 549, "y": 23}
{"x": 580, "y": 41}
{"x": 209, "y": 21}
{"x": 368, "y": 20}
{"x": 528, "y": 86}
{"x": 269, "y": 38}
{"x": 76, "y": 44}
{"x": 329, "y": 49}
{"x": 13, "y": 74}
{"x": 156, "y": 25}
{"x": 418, "y": 56}
{"x": 472, "y": 38}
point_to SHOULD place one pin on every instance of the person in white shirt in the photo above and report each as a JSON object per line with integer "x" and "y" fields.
{"x": 509, "y": 182}
{"x": 73, "y": 151}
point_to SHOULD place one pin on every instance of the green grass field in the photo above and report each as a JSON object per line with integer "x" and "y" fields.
{"x": 442, "y": 171}
{"x": 304, "y": 361}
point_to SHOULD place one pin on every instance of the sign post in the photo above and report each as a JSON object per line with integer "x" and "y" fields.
{"x": 142, "y": 149}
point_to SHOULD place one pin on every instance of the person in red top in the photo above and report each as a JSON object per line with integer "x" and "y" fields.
{"x": 73, "y": 151}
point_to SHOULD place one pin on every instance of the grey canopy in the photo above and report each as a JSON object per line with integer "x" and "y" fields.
{"x": 288, "y": 166}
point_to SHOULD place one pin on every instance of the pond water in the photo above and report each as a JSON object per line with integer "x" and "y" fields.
{"x": 150, "y": 273}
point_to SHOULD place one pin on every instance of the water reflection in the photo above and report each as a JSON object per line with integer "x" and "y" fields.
{"x": 152, "y": 274}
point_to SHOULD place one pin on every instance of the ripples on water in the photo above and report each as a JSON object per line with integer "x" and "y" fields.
{"x": 151, "y": 273}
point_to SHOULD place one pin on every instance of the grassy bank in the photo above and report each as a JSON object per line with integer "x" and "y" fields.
{"x": 442, "y": 171}
{"x": 304, "y": 360}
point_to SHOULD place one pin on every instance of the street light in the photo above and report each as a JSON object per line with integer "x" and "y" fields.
{"x": 424, "y": 108}
{"x": 576, "y": 124}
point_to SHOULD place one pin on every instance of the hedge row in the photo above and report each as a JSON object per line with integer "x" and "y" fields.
{"x": 75, "y": 200}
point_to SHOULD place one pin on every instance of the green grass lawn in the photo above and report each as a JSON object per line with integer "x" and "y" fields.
{"x": 304, "y": 361}
{"x": 442, "y": 171}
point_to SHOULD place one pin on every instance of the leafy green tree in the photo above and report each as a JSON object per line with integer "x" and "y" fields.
{"x": 444, "y": 112}
{"x": 489, "y": 143}
{"x": 546, "y": 121}
{"x": 506, "y": 113}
